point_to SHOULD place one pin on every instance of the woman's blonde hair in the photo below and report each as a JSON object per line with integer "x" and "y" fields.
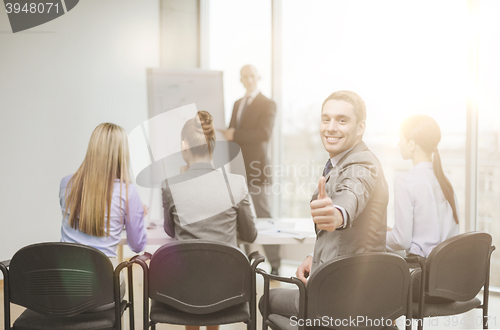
{"x": 91, "y": 187}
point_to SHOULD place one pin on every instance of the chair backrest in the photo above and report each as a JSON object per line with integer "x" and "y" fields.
{"x": 60, "y": 279}
{"x": 199, "y": 276}
{"x": 457, "y": 268}
{"x": 362, "y": 291}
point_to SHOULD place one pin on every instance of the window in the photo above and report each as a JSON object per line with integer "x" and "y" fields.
{"x": 239, "y": 33}
{"x": 488, "y": 195}
{"x": 402, "y": 58}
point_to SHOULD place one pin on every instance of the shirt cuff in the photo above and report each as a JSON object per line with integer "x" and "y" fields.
{"x": 344, "y": 217}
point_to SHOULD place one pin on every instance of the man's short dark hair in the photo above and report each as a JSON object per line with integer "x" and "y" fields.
{"x": 352, "y": 98}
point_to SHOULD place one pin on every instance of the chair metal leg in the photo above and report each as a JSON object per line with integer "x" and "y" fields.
{"x": 6, "y": 296}
{"x": 486, "y": 291}
{"x": 131, "y": 297}
{"x": 145, "y": 295}
{"x": 485, "y": 304}
{"x": 409, "y": 313}
{"x": 265, "y": 309}
{"x": 116, "y": 289}
{"x": 252, "y": 323}
{"x": 421, "y": 302}
{"x": 421, "y": 299}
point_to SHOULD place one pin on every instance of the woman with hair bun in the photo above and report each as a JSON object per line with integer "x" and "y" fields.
{"x": 202, "y": 208}
{"x": 424, "y": 201}
{"x": 196, "y": 203}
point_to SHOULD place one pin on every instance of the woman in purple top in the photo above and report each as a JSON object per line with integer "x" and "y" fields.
{"x": 99, "y": 200}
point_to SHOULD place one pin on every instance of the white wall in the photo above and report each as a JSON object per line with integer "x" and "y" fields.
{"x": 179, "y": 33}
{"x": 58, "y": 81}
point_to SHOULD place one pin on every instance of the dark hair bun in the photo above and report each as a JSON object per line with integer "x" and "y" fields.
{"x": 206, "y": 120}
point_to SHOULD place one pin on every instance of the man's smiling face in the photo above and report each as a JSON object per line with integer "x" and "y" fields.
{"x": 339, "y": 128}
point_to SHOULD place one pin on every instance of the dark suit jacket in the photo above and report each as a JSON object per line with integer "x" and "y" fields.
{"x": 356, "y": 183}
{"x": 253, "y": 135}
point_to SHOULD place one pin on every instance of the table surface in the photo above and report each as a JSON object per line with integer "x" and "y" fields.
{"x": 270, "y": 231}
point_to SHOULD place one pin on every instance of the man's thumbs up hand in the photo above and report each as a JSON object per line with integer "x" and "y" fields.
{"x": 322, "y": 188}
{"x": 325, "y": 215}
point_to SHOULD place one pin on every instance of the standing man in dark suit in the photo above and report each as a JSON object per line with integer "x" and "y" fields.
{"x": 251, "y": 127}
{"x": 349, "y": 208}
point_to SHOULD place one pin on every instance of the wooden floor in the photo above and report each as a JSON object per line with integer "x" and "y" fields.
{"x": 464, "y": 321}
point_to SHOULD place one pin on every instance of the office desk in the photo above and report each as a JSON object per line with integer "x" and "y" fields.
{"x": 270, "y": 231}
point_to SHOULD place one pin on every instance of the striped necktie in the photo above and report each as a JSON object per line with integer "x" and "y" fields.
{"x": 328, "y": 167}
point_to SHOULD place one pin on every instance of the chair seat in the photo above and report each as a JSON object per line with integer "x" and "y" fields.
{"x": 280, "y": 322}
{"x": 161, "y": 313}
{"x": 445, "y": 309}
{"x": 30, "y": 320}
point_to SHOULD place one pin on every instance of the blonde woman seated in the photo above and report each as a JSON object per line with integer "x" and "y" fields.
{"x": 424, "y": 202}
{"x": 99, "y": 200}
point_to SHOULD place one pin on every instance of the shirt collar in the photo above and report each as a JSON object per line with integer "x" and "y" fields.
{"x": 253, "y": 94}
{"x": 201, "y": 166}
{"x": 335, "y": 160}
{"x": 423, "y": 165}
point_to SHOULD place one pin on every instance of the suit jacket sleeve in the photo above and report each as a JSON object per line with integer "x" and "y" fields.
{"x": 355, "y": 186}
{"x": 168, "y": 219}
{"x": 232, "y": 123}
{"x": 261, "y": 132}
{"x": 245, "y": 220}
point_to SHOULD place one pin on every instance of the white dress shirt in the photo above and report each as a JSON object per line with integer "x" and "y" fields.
{"x": 247, "y": 99}
{"x": 423, "y": 216}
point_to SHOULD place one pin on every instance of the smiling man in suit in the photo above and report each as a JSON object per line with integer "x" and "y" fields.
{"x": 349, "y": 208}
{"x": 251, "y": 126}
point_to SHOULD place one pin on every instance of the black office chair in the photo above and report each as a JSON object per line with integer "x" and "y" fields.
{"x": 64, "y": 286}
{"x": 374, "y": 286}
{"x": 199, "y": 282}
{"x": 454, "y": 272}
